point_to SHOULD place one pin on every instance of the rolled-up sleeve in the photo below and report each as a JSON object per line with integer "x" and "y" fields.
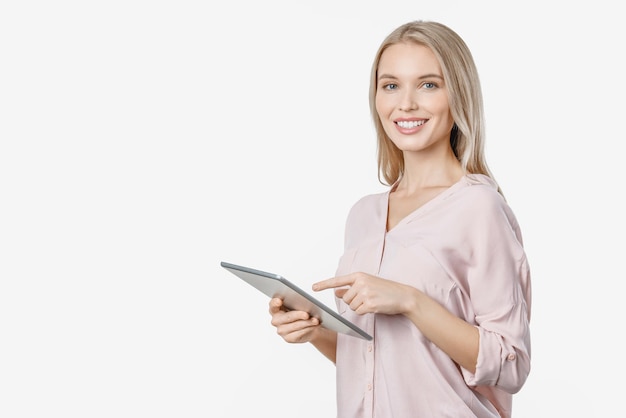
{"x": 499, "y": 284}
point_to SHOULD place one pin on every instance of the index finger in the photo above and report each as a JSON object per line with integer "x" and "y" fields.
{"x": 333, "y": 283}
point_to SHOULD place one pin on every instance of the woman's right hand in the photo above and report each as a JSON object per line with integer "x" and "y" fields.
{"x": 293, "y": 326}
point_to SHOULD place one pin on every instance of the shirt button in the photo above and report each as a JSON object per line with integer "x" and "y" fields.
{"x": 369, "y": 386}
{"x": 369, "y": 348}
{"x": 510, "y": 357}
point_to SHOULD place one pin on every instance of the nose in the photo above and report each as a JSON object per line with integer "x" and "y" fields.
{"x": 408, "y": 101}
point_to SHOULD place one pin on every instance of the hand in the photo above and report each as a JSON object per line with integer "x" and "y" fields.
{"x": 369, "y": 294}
{"x": 293, "y": 326}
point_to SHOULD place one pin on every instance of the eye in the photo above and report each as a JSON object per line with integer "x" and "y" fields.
{"x": 429, "y": 86}
{"x": 390, "y": 86}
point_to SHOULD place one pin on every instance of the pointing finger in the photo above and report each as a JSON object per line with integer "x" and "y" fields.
{"x": 333, "y": 283}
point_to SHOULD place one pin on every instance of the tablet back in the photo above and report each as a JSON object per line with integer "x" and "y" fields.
{"x": 294, "y": 298}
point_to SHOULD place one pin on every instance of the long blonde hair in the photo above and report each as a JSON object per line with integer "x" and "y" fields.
{"x": 464, "y": 96}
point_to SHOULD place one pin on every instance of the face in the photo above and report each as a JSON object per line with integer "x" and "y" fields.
{"x": 411, "y": 99}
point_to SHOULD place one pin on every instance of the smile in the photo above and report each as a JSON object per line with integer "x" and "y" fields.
{"x": 410, "y": 124}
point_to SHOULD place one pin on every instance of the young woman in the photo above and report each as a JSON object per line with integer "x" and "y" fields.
{"x": 434, "y": 268}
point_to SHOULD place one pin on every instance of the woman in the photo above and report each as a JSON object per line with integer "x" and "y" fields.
{"x": 434, "y": 268}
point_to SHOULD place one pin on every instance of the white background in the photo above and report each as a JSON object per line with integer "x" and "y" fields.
{"x": 143, "y": 142}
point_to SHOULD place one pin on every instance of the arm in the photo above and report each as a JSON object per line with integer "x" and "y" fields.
{"x": 454, "y": 336}
{"x": 369, "y": 294}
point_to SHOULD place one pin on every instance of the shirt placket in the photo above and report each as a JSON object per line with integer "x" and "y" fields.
{"x": 370, "y": 349}
{"x": 369, "y": 373}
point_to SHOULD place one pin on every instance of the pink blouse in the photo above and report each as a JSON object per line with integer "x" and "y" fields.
{"x": 464, "y": 249}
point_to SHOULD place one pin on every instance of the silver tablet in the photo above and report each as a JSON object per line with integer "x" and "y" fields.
{"x": 295, "y": 298}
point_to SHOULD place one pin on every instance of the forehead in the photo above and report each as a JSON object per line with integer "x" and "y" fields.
{"x": 408, "y": 59}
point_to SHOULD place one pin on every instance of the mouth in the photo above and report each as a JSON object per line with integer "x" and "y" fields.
{"x": 410, "y": 124}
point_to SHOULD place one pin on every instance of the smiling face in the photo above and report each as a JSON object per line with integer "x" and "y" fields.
{"x": 411, "y": 99}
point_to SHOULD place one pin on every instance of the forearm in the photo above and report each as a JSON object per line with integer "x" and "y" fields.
{"x": 456, "y": 337}
{"x": 325, "y": 341}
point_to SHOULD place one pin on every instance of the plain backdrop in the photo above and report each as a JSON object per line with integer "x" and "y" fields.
{"x": 143, "y": 142}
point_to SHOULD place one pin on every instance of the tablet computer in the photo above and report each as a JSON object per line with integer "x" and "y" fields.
{"x": 294, "y": 298}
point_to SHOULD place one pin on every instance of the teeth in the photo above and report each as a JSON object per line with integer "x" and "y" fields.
{"x": 410, "y": 124}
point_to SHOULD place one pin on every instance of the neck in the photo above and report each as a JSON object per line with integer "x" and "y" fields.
{"x": 420, "y": 173}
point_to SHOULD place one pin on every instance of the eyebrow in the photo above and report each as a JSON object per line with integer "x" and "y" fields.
{"x": 420, "y": 77}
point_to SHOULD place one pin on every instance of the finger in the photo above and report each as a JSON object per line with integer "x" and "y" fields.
{"x": 275, "y": 305}
{"x": 356, "y": 303}
{"x": 361, "y": 309}
{"x": 294, "y": 327}
{"x": 282, "y": 317}
{"x": 347, "y": 294}
{"x": 300, "y": 335}
{"x": 334, "y": 282}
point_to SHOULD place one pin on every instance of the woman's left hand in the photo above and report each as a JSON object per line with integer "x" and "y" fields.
{"x": 365, "y": 293}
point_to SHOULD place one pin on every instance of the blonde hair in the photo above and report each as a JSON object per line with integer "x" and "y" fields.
{"x": 464, "y": 97}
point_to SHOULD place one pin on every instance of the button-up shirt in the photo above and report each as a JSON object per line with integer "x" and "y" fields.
{"x": 464, "y": 249}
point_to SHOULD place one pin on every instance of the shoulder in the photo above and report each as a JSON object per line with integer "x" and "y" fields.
{"x": 480, "y": 193}
{"x": 368, "y": 206}
{"x": 483, "y": 205}
{"x": 480, "y": 185}
{"x": 369, "y": 201}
